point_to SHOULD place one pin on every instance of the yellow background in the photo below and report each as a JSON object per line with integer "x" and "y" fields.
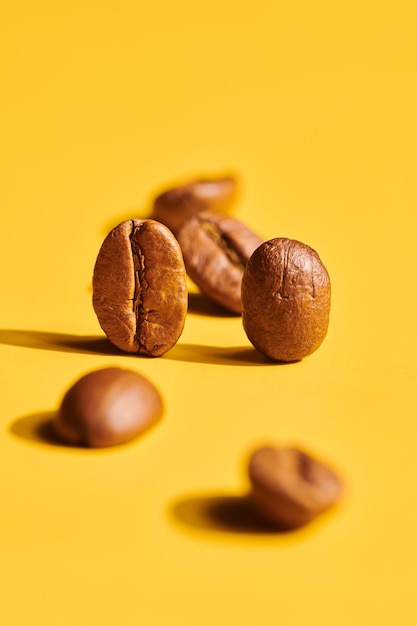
{"x": 313, "y": 105}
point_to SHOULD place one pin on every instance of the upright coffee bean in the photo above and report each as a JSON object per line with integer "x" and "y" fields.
{"x": 139, "y": 288}
{"x": 216, "y": 249}
{"x": 286, "y": 299}
{"x": 175, "y": 206}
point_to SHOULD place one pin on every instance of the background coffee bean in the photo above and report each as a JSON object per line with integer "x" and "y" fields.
{"x": 108, "y": 407}
{"x": 286, "y": 299}
{"x": 216, "y": 249}
{"x": 174, "y": 206}
{"x": 139, "y": 287}
{"x": 289, "y": 487}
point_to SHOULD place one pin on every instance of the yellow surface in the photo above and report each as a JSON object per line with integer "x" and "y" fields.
{"x": 313, "y": 105}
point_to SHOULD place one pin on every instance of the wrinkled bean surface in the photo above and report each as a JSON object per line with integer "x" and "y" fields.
{"x": 139, "y": 288}
{"x": 216, "y": 249}
{"x": 285, "y": 299}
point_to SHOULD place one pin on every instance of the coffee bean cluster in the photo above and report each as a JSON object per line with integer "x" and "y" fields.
{"x": 281, "y": 289}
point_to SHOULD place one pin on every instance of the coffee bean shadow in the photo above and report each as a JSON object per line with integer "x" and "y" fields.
{"x": 60, "y": 342}
{"x": 194, "y": 353}
{"x": 233, "y": 514}
{"x": 220, "y": 355}
{"x": 38, "y": 429}
{"x": 199, "y": 304}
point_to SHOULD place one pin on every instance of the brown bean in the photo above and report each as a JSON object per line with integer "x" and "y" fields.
{"x": 286, "y": 299}
{"x": 175, "y": 206}
{"x": 216, "y": 249}
{"x": 140, "y": 288}
{"x": 108, "y": 407}
{"x": 290, "y": 487}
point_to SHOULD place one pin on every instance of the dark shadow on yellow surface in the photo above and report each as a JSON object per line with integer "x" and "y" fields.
{"x": 220, "y": 355}
{"x": 187, "y": 352}
{"x": 37, "y": 428}
{"x": 221, "y": 513}
{"x": 199, "y": 304}
{"x": 61, "y": 342}
{"x": 193, "y": 353}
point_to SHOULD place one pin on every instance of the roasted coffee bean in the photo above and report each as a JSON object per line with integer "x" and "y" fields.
{"x": 289, "y": 487}
{"x": 177, "y": 205}
{"x": 139, "y": 288}
{"x": 286, "y": 300}
{"x": 216, "y": 249}
{"x": 108, "y": 407}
